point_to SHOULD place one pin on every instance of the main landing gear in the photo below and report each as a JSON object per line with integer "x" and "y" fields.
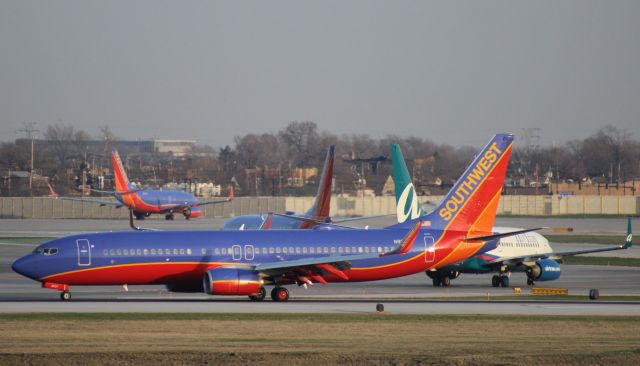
{"x": 169, "y": 216}
{"x": 501, "y": 280}
{"x": 65, "y": 296}
{"x": 280, "y": 294}
{"x": 260, "y": 295}
{"x": 442, "y": 278}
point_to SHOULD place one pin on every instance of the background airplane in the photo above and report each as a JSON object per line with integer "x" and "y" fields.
{"x": 242, "y": 262}
{"x": 318, "y": 212}
{"x": 527, "y": 252}
{"x": 144, "y": 202}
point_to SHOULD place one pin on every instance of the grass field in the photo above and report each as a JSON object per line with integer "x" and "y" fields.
{"x": 317, "y": 339}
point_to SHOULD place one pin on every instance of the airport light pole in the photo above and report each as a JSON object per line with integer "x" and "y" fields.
{"x": 30, "y": 131}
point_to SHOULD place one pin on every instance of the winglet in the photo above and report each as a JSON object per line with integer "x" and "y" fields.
{"x": 53, "y": 193}
{"x": 629, "y": 241}
{"x": 268, "y": 222}
{"x": 407, "y": 241}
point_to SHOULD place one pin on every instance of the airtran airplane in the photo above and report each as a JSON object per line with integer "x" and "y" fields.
{"x": 527, "y": 252}
{"x": 243, "y": 262}
{"x": 144, "y": 202}
{"x": 318, "y": 212}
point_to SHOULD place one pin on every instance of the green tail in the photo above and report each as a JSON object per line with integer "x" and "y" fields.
{"x": 407, "y": 205}
{"x": 629, "y": 241}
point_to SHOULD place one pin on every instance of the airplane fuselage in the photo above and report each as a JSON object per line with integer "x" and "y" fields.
{"x": 137, "y": 258}
{"x": 152, "y": 201}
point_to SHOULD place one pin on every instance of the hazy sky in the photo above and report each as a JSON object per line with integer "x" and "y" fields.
{"x": 209, "y": 70}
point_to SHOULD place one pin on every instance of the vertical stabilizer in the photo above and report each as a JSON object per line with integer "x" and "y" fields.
{"x": 321, "y": 205}
{"x": 119, "y": 175}
{"x": 407, "y": 205}
{"x": 471, "y": 204}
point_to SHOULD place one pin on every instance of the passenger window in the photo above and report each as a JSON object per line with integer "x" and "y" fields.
{"x": 181, "y": 251}
{"x": 118, "y": 252}
{"x": 347, "y": 250}
{"x": 285, "y": 251}
{"x": 188, "y": 251}
{"x": 112, "y": 252}
{"x": 278, "y": 250}
{"x": 271, "y": 250}
{"x": 312, "y": 250}
{"x": 175, "y": 251}
{"x": 340, "y": 250}
{"x": 224, "y": 251}
{"x": 264, "y": 250}
{"x": 386, "y": 249}
{"x": 290, "y": 249}
{"x": 298, "y": 250}
{"x": 145, "y": 252}
{"x": 104, "y": 252}
{"x": 153, "y": 252}
{"x": 326, "y": 250}
{"x": 366, "y": 249}
{"x": 217, "y": 251}
{"x": 359, "y": 249}
{"x": 203, "y": 251}
{"x": 304, "y": 250}
{"x": 139, "y": 251}
{"x": 333, "y": 250}
{"x": 353, "y": 250}
{"x": 125, "y": 251}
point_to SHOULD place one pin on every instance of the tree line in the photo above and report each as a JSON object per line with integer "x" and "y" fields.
{"x": 280, "y": 163}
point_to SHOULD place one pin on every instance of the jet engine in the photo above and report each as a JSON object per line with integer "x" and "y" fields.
{"x": 231, "y": 281}
{"x": 544, "y": 270}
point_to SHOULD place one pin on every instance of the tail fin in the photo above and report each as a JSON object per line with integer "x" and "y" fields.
{"x": 629, "y": 241}
{"x": 471, "y": 204}
{"x": 407, "y": 206}
{"x": 119, "y": 175}
{"x": 322, "y": 203}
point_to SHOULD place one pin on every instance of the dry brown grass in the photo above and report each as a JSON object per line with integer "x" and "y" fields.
{"x": 322, "y": 339}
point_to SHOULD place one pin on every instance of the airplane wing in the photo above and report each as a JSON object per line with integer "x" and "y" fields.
{"x": 307, "y": 270}
{"x": 55, "y": 196}
{"x": 559, "y": 255}
{"x": 221, "y": 200}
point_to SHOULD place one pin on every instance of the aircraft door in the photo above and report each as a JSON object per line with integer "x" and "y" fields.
{"x": 248, "y": 252}
{"x": 237, "y": 252}
{"x": 429, "y": 249}
{"x": 84, "y": 252}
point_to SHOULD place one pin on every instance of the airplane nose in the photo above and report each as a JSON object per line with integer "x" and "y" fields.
{"x": 20, "y": 266}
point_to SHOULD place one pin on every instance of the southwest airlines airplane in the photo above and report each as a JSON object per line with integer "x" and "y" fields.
{"x": 527, "y": 252}
{"x": 144, "y": 202}
{"x": 317, "y": 213}
{"x": 243, "y": 262}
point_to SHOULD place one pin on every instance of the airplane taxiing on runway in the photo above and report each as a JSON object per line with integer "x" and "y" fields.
{"x": 527, "y": 252}
{"x": 318, "y": 212}
{"x": 242, "y": 262}
{"x": 144, "y": 202}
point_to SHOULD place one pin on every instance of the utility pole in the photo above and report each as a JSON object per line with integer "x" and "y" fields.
{"x": 30, "y": 130}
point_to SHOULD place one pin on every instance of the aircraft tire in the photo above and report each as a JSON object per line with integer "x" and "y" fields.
{"x": 280, "y": 294}
{"x": 495, "y": 281}
{"x": 504, "y": 281}
{"x": 259, "y": 296}
{"x": 139, "y": 215}
{"x": 65, "y": 296}
{"x": 168, "y": 217}
{"x": 530, "y": 282}
{"x": 436, "y": 282}
{"x": 446, "y": 281}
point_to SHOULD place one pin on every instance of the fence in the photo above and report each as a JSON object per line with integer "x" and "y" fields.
{"x": 47, "y": 208}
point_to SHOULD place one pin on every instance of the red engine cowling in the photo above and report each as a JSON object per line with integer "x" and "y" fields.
{"x": 231, "y": 281}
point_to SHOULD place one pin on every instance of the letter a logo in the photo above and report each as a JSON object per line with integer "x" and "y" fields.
{"x": 413, "y": 211}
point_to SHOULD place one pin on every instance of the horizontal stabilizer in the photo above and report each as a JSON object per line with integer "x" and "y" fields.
{"x": 501, "y": 235}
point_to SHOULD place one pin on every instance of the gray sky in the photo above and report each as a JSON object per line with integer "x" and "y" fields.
{"x": 207, "y": 70}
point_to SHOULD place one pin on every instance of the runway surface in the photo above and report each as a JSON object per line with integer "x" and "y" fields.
{"x": 412, "y": 294}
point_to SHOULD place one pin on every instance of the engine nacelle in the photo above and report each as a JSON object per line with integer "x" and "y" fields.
{"x": 231, "y": 281}
{"x": 545, "y": 270}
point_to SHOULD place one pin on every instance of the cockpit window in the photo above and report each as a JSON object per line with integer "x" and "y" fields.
{"x": 50, "y": 251}
{"x": 38, "y": 250}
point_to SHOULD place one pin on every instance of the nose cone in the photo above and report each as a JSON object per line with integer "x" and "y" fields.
{"x": 21, "y": 266}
